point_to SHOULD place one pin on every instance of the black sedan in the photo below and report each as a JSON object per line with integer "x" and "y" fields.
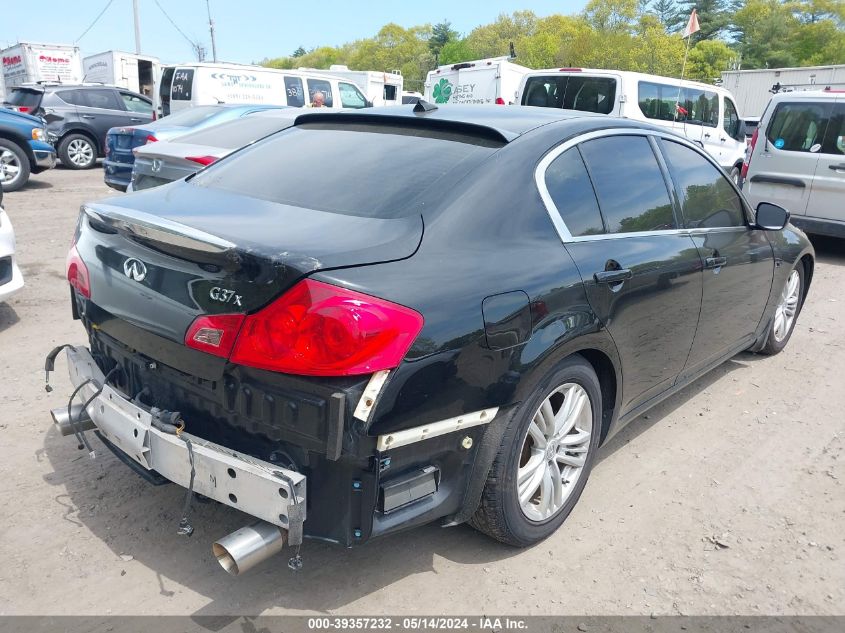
{"x": 374, "y": 320}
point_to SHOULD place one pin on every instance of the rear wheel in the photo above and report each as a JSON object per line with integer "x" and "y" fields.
{"x": 78, "y": 151}
{"x": 736, "y": 175}
{"x": 786, "y": 312}
{"x": 14, "y": 166}
{"x": 545, "y": 457}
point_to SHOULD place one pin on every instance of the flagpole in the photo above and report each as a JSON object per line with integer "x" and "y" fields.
{"x": 692, "y": 27}
{"x": 683, "y": 70}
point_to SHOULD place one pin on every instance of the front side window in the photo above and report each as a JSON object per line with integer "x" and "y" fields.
{"x": 350, "y": 96}
{"x": 571, "y": 92}
{"x": 320, "y": 85}
{"x": 834, "y": 139}
{"x": 105, "y": 99}
{"x": 294, "y": 92}
{"x": 631, "y": 191}
{"x": 731, "y": 118}
{"x": 572, "y": 192}
{"x": 707, "y": 197}
{"x": 134, "y": 103}
{"x": 798, "y": 127}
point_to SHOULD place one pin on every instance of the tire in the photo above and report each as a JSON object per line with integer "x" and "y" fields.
{"x": 78, "y": 151}
{"x": 14, "y": 165}
{"x": 788, "y": 308}
{"x": 736, "y": 175}
{"x": 500, "y": 514}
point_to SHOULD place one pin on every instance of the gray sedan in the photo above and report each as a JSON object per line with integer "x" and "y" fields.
{"x": 163, "y": 162}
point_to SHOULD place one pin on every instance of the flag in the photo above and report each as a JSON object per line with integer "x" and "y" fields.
{"x": 692, "y": 25}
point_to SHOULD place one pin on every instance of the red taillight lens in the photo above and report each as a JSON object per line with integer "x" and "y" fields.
{"x": 202, "y": 160}
{"x": 77, "y": 273}
{"x": 151, "y": 139}
{"x": 500, "y": 101}
{"x": 23, "y": 109}
{"x": 744, "y": 171}
{"x": 318, "y": 329}
{"x": 214, "y": 334}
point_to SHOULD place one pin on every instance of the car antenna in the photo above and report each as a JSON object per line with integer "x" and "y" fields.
{"x": 423, "y": 106}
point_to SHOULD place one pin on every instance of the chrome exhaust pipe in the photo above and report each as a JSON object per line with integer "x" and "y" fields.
{"x": 245, "y": 548}
{"x": 82, "y": 421}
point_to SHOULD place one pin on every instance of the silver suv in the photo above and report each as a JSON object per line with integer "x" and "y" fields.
{"x": 798, "y": 159}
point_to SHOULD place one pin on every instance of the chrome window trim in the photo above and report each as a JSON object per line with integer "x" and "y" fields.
{"x": 557, "y": 219}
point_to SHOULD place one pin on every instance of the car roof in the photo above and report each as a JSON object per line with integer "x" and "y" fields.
{"x": 505, "y": 122}
{"x": 809, "y": 95}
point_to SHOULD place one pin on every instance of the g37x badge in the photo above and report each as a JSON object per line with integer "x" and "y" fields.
{"x": 225, "y": 296}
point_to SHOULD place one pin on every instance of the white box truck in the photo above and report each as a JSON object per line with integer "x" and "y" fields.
{"x": 483, "y": 81}
{"x": 380, "y": 88}
{"x": 29, "y": 62}
{"x": 138, "y": 73}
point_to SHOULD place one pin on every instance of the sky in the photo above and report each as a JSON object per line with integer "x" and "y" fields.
{"x": 246, "y": 30}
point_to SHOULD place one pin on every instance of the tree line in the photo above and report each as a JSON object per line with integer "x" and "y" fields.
{"x": 640, "y": 35}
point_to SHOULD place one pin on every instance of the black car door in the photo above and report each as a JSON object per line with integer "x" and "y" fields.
{"x": 101, "y": 110}
{"x": 611, "y": 203}
{"x": 737, "y": 258}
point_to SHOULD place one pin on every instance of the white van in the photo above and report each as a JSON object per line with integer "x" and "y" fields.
{"x": 797, "y": 159}
{"x": 494, "y": 81}
{"x": 380, "y": 88}
{"x": 204, "y": 83}
{"x": 705, "y": 114}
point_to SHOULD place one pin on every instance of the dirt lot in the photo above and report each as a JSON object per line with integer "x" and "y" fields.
{"x": 726, "y": 499}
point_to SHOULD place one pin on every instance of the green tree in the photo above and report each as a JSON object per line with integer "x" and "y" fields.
{"x": 714, "y": 17}
{"x": 614, "y": 16}
{"x": 763, "y": 30}
{"x": 441, "y": 34}
{"x": 707, "y": 59}
{"x": 299, "y": 52}
{"x": 667, "y": 12}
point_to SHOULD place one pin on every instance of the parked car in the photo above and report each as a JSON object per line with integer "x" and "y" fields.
{"x": 705, "y": 114}
{"x": 121, "y": 141}
{"x": 24, "y": 149}
{"x": 79, "y": 116}
{"x": 164, "y": 162}
{"x": 375, "y": 320}
{"x": 11, "y": 279}
{"x": 797, "y": 159}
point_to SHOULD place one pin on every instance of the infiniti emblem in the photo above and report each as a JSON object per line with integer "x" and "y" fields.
{"x": 134, "y": 269}
{"x": 156, "y": 166}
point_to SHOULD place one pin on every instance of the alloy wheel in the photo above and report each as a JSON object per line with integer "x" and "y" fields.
{"x": 787, "y": 307}
{"x": 10, "y": 166}
{"x": 554, "y": 451}
{"x": 80, "y": 152}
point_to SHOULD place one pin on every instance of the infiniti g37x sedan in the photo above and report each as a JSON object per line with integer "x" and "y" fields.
{"x": 374, "y": 320}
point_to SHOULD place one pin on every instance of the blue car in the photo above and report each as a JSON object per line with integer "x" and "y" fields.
{"x": 120, "y": 141}
{"x": 24, "y": 149}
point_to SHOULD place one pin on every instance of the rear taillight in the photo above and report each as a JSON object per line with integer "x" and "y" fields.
{"x": 24, "y": 109}
{"x": 77, "y": 273}
{"x": 318, "y": 329}
{"x": 744, "y": 171}
{"x": 155, "y": 116}
{"x": 150, "y": 139}
{"x": 202, "y": 160}
{"x": 214, "y": 334}
{"x": 500, "y": 101}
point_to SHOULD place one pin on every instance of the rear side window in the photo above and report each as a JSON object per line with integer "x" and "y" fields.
{"x": 708, "y": 199}
{"x": 572, "y": 192}
{"x": 294, "y": 93}
{"x": 320, "y": 85}
{"x": 584, "y": 93}
{"x": 629, "y": 185}
{"x": 381, "y": 172}
{"x": 834, "y": 139}
{"x": 73, "y": 97}
{"x": 798, "y": 127}
{"x": 99, "y": 98}
{"x": 183, "y": 84}
{"x": 350, "y": 96}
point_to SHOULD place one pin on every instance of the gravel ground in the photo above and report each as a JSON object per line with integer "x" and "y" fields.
{"x": 726, "y": 499}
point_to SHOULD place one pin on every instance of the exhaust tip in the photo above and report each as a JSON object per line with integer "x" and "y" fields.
{"x": 227, "y": 562}
{"x": 245, "y": 548}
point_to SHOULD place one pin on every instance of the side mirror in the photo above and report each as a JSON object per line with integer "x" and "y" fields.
{"x": 740, "y": 130}
{"x": 771, "y": 217}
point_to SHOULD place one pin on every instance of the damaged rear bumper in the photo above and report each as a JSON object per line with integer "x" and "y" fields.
{"x": 264, "y": 490}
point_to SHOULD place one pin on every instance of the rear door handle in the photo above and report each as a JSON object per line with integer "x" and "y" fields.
{"x": 837, "y": 168}
{"x": 715, "y": 262}
{"x": 613, "y": 276}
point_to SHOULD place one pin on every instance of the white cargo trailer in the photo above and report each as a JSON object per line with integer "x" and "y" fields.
{"x": 482, "y": 81}
{"x": 380, "y": 88}
{"x": 753, "y": 88}
{"x": 139, "y": 73}
{"x": 29, "y": 62}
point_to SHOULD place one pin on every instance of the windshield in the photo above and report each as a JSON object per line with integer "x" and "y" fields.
{"x": 192, "y": 116}
{"x": 237, "y": 133}
{"x": 24, "y": 99}
{"x": 368, "y": 170}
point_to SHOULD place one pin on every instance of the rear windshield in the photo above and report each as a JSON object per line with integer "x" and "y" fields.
{"x": 364, "y": 170}
{"x": 237, "y": 133}
{"x": 25, "y": 98}
{"x": 571, "y": 92}
{"x": 193, "y": 116}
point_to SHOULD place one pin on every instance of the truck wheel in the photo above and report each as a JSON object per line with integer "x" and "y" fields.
{"x": 14, "y": 166}
{"x": 77, "y": 151}
{"x": 545, "y": 457}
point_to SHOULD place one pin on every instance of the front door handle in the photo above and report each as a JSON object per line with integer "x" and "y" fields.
{"x": 715, "y": 262}
{"x": 136, "y": 120}
{"x": 837, "y": 168}
{"x": 611, "y": 277}
{"x": 88, "y": 116}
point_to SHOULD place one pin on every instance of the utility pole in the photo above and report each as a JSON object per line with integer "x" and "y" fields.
{"x": 211, "y": 29}
{"x": 137, "y": 27}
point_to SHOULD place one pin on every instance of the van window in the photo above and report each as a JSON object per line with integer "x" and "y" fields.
{"x": 665, "y": 102}
{"x": 708, "y": 199}
{"x": 320, "y": 85}
{"x": 834, "y": 139}
{"x": 164, "y": 90}
{"x": 294, "y": 92}
{"x": 798, "y": 127}
{"x": 350, "y": 96}
{"x": 571, "y": 92}
{"x": 389, "y": 92}
{"x": 572, "y": 193}
{"x": 632, "y": 199}
{"x": 731, "y": 118}
{"x": 183, "y": 84}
